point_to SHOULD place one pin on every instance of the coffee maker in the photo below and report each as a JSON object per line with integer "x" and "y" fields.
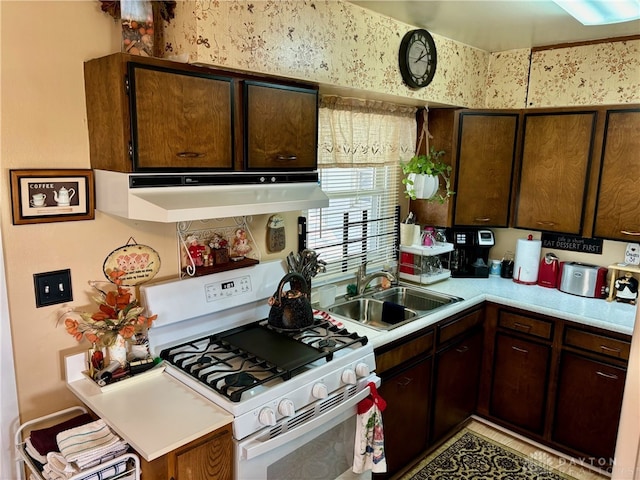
{"x": 470, "y": 255}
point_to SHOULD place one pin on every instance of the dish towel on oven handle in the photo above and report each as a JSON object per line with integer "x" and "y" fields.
{"x": 369, "y": 445}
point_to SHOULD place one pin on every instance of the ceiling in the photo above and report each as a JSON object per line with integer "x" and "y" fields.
{"x": 498, "y": 25}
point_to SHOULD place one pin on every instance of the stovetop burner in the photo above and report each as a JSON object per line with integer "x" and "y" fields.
{"x": 239, "y": 360}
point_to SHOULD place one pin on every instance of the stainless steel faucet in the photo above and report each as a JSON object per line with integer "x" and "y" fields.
{"x": 363, "y": 280}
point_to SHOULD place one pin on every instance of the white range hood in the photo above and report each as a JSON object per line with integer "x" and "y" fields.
{"x": 181, "y": 197}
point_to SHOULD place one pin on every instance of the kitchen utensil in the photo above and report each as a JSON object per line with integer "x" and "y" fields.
{"x": 548, "y": 271}
{"x": 506, "y": 270}
{"x": 291, "y": 310}
{"x": 525, "y": 266}
{"x": 583, "y": 279}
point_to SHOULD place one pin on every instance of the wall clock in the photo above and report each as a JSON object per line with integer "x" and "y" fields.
{"x": 417, "y": 58}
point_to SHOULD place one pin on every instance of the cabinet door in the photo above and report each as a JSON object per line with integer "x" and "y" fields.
{"x": 554, "y": 171}
{"x": 486, "y": 153}
{"x": 519, "y": 387}
{"x": 180, "y": 121}
{"x": 588, "y": 406}
{"x": 406, "y": 418}
{"x": 211, "y": 458}
{"x": 457, "y": 377}
{"x": 618, "y": 206}
{"x": 281, "y": 127}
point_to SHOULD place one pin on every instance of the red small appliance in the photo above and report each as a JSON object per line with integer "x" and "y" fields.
{"x": 548, "y": 271}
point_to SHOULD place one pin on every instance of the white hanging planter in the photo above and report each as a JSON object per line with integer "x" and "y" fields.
{"x": 424, "y": 186}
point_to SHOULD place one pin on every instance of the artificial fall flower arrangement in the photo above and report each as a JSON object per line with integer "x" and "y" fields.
{"x": 118, "y": 314}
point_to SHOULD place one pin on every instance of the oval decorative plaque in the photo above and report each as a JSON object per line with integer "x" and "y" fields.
{"x": 140, "y": 263}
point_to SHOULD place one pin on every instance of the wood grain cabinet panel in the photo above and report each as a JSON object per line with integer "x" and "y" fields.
{"x": 281, "y": 127}
{"x": 486, "y": 155}
{"x": 180, "y": 120}
{"x": 519, "y": 384}
{"x": 554, "y": 171}
{"x": 588, "y": 406}
{"x": 618, "y": 204}
{"x": 456, "y": 381}
{"x": 210, "y": 456}
{"x": 406, "y": 418}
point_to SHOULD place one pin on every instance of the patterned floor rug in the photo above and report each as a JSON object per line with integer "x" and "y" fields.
{"x": 471, "y": 456}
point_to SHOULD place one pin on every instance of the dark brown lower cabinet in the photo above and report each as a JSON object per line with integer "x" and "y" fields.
{"x": 457, "y": 377}
{"x": 519, "y": 383}
{"x": 588, "y": 406}
{"x": 406, "y": 418}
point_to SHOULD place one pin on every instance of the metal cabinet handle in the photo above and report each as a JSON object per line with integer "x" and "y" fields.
{"x": 522, "y": 326}
{"x": 482, "y": 219}
{"x": 462, "y": 349}
{"x": 629, "y": 232}
{"x": 521, "y": 350}
{"x": 546, "y": 223}
{"x": 405, "y": 381}
{"x": 287, "y": 158}
{"x": 604, "y": 348}
{"x": 189, "y": 155}
{"x": 607, "y": 375}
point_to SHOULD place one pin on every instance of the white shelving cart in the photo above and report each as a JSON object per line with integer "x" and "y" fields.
{"x": 132, "y": 470}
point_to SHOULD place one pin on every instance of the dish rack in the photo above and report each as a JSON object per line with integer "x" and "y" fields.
{"x": 133, "y": 462}
{"x": 425, "y": 265}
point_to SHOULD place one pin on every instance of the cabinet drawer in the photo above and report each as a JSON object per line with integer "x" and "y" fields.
{"x": 404, "y": 352}
{"x": 458, "y": 326}
{"x": 528, "y": 325}
{"x": 611, "y": 347}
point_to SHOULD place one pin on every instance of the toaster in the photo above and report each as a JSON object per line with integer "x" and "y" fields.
{"x": 583, "y": 279}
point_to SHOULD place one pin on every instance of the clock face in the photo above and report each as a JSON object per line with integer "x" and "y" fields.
{"x": 417, "y": 58}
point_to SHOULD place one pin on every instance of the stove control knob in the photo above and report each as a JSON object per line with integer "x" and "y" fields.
{"x": 267, "y": 416}
{"x": 362, "y": 370}
{"x": 349, "y": 377}
{"x": 320, "y": 391}
{"x": 287, "y": 408}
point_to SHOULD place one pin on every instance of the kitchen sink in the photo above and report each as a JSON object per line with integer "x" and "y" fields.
{"x": 417, "y": 299}
{"x": 374, "y": 313}
{"x": 388, "y": 309}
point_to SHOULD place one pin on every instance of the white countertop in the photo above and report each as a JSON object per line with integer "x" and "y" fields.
{"x": 153, "y": 412}
{"x": 613, "y": 316}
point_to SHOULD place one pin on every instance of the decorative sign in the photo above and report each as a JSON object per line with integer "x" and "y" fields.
{"x": 139, "y": 263}
{"x": 572, "y": 243}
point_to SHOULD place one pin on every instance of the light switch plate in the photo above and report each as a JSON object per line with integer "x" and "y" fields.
{"x": 52, "y": 287}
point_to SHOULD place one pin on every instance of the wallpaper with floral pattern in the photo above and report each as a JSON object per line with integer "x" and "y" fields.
{"x": 341, "y": 46}
{"x": 603, "y": 73}
{"x": 351, "y": 51}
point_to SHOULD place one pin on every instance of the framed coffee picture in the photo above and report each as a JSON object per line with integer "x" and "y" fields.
{"x": 55, "y": 195}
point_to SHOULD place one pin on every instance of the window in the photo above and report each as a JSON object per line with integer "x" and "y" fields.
{"x": 361, "y": 144}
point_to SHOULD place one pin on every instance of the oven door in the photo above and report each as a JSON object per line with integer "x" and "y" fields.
{"x": 318, "y": 449}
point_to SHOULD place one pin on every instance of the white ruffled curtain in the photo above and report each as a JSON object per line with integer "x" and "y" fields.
{"x": 364, "y": 133}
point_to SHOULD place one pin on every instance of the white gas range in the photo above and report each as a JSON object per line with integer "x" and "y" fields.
{"x": 285, "y": 390}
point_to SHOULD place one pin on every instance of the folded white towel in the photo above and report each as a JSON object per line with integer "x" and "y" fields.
{"x": 99, "y": 455}
{"x": 87, "y": 443}
{"x": 108, "y": 472}
{"x": 33, "y": 453}
{"x": 57, "y": 463}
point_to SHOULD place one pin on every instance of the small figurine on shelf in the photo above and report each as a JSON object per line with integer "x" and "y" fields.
{"x": 240, "y": 246}
{"x": 626, "y": 289}
{"x": 196, "y": 250}
{"x": 219, "y": 249}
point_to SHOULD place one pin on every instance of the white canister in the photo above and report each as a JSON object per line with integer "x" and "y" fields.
{"x": 527, "y": 260}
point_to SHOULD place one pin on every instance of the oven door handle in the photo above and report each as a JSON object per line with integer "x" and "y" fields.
{"x": 252, "y": 451}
